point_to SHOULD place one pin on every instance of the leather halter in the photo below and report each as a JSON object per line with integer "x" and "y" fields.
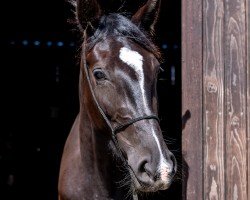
{"x": 117, "y": 129}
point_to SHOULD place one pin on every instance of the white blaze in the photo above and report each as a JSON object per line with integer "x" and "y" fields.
{"x": 132, "y": 58}
{"x": 135, "y": 60}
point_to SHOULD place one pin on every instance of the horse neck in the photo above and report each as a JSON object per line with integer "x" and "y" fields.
{"x": 97, "y": 159}
{"x": 95, "y": 155}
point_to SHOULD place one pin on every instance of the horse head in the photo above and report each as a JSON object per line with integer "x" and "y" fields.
{"x": 122, "y": 65}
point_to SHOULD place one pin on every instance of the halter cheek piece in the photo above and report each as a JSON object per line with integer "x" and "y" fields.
{"x": 118, "y": 128}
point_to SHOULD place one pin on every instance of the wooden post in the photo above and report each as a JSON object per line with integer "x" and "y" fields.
{"x": 216, "y": 91}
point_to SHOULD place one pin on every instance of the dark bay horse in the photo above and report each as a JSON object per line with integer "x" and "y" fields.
{"x": 116, "y": 138}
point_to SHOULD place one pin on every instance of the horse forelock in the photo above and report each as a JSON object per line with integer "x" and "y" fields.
{"x": 117, "y": 25}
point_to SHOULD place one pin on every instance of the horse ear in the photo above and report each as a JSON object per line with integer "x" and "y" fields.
{"x": 88, "y": 12}
{"x": 147, "y": 15}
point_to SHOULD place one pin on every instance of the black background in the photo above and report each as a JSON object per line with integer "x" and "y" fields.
{"x": 40, "y": 90}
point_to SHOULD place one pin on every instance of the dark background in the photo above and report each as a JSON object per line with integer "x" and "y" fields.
{"x": 39, "y": 76}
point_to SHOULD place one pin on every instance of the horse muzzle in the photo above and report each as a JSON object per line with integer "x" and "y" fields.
{"x": 149, "y": 179}
{"x": 151, "y": 185}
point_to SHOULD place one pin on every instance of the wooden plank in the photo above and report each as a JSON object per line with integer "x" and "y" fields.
{"x": 235, "y": 100}
{"x": 192, "y": 98}
{"x": 248, "y": 90}
{"x": 213, "y": 112}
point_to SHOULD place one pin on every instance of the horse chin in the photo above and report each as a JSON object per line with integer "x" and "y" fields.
{"x": 142, "y": 188}
{"x": 150, "y": 189}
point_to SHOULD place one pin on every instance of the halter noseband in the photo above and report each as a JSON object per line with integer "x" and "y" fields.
{"x": 118, "y": 128}
{"x": 128, "y": 123}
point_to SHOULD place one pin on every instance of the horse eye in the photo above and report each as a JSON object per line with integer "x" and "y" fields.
{"x": 99, "y": 74}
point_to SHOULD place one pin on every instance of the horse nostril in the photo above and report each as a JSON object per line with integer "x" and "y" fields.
{"x": 173, "y": 159}
{"x": 144, "y": 167}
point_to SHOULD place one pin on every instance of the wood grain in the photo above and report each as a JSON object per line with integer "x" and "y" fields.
{"x": 235, "y": 100}
{"x": 213, "y": 112}
{"x": 216, "y": 91}
{"x": 192, "y": 97}
{"x": 248, "y": 91}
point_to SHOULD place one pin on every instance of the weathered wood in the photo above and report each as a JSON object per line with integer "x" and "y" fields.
{"x": 248, "y": 91}
{"x": 192, "y": 97}
{"x": 235, "y": 99}
{"x": 213, "y": 112}
{"x": 216, "y": 84}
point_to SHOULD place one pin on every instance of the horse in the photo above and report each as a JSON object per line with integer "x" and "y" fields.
{"x": 115, "y": 149}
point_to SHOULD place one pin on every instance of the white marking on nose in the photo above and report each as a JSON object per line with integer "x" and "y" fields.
{"x": 135, "y": 61}
{"x": 164, "y": 168}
